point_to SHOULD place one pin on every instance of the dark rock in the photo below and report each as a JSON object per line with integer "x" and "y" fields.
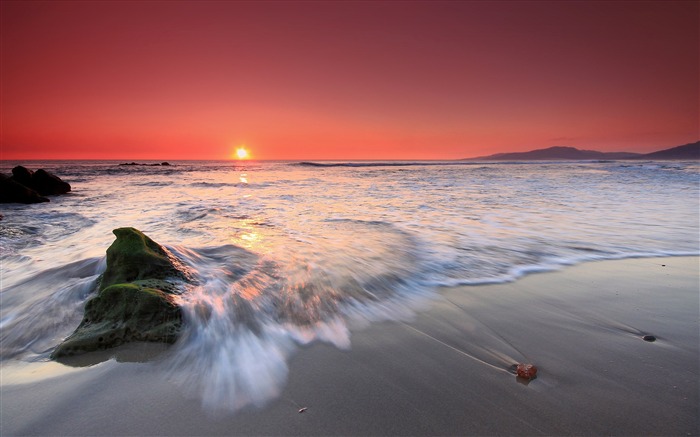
{"x": 143, "y": 164}
{"x": 135, "y": 301}
{"x": 134, "y": 256}
{"x": 122, "y": 313}
{"x": 649, "y": 338}
{"x": 48, "y": 183}
{"x": 12, "y": 191}
{"x": 23, "y": 176}
{"x": 41, "y": 181}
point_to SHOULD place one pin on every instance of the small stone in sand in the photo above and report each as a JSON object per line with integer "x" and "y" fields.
{"x": 526, "y": 371}
{"x": 649, "y": 338}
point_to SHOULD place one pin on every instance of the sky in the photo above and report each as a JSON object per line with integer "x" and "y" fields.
{"x": 345, "y": 80}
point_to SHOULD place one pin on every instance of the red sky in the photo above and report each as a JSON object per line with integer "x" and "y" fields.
{"x": 345, "y": 80}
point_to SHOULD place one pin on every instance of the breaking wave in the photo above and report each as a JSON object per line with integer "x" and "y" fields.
{"x": 304, "y": 258}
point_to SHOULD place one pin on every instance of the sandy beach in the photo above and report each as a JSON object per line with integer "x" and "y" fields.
{"x": 445, "y": 372}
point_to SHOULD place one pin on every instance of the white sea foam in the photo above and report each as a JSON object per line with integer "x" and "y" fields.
{"x": 314, "y": 251}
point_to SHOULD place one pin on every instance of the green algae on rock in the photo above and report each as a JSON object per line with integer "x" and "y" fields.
{"x": 134, "y": 256}
{"x": 123, "y": 313}
{"x": 135, "y": 301}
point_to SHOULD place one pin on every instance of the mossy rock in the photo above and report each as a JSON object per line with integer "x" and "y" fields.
{"x": 133, "y": 256}
{"x": 122, "y": 313}
{"x": 136, "y": 297}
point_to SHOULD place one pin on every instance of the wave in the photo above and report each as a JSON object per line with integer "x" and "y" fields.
{"x": 246, "y": 313}
{"x": 378, "y": 164}
{"x": 312, "y": 257}
{"x": 249, "y": 312}
{"x": 47, "y": 224}
{"x": 152, "y": 184}
{"x": 553, "y": 264}
{"x": 464, "y": 163}
{"x": 39, "y": 312}
{"x": 203, "y": 184}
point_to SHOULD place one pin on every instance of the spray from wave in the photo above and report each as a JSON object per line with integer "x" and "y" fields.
{"x": 247, "y": 313}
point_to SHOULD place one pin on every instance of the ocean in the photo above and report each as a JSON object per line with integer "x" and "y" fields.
{"x": 289, "y": 253}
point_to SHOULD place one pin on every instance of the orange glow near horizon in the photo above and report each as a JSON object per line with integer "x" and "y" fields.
{"x": 344, "y": 80}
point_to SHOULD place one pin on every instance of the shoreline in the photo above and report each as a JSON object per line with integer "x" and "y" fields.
{"x": 443, "y": 372}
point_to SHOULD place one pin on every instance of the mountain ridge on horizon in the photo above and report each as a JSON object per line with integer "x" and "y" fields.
{"x": 686, "y": 151}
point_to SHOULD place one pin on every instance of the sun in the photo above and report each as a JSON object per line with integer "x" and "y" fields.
{"x": 242, "y": 153}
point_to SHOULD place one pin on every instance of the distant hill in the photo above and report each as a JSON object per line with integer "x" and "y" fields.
{"x": 557, "y": 153}
{"x": 687, "y": 151}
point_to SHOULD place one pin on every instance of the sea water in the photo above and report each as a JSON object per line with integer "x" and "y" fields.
{"x": 288, "y": 253}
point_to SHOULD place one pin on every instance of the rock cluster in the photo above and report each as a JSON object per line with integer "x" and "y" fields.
{"x": 136, "y": 299}
{"x": 26, "y": 186}
{"x": 147, "y": 165}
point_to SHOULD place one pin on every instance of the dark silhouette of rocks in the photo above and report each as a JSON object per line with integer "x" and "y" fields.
{"x": 146, "y": 165}
{"x": 22, "y": 175}
{"x": 12, "y": 191}
{"x": 47, "y": 184}
{"x": 26, "y": 186}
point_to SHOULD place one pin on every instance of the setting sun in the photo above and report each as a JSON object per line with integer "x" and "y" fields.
{"x": 242, "y": 153}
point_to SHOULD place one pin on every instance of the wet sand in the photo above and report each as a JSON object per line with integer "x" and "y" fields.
{"x": 445, "y": 372}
